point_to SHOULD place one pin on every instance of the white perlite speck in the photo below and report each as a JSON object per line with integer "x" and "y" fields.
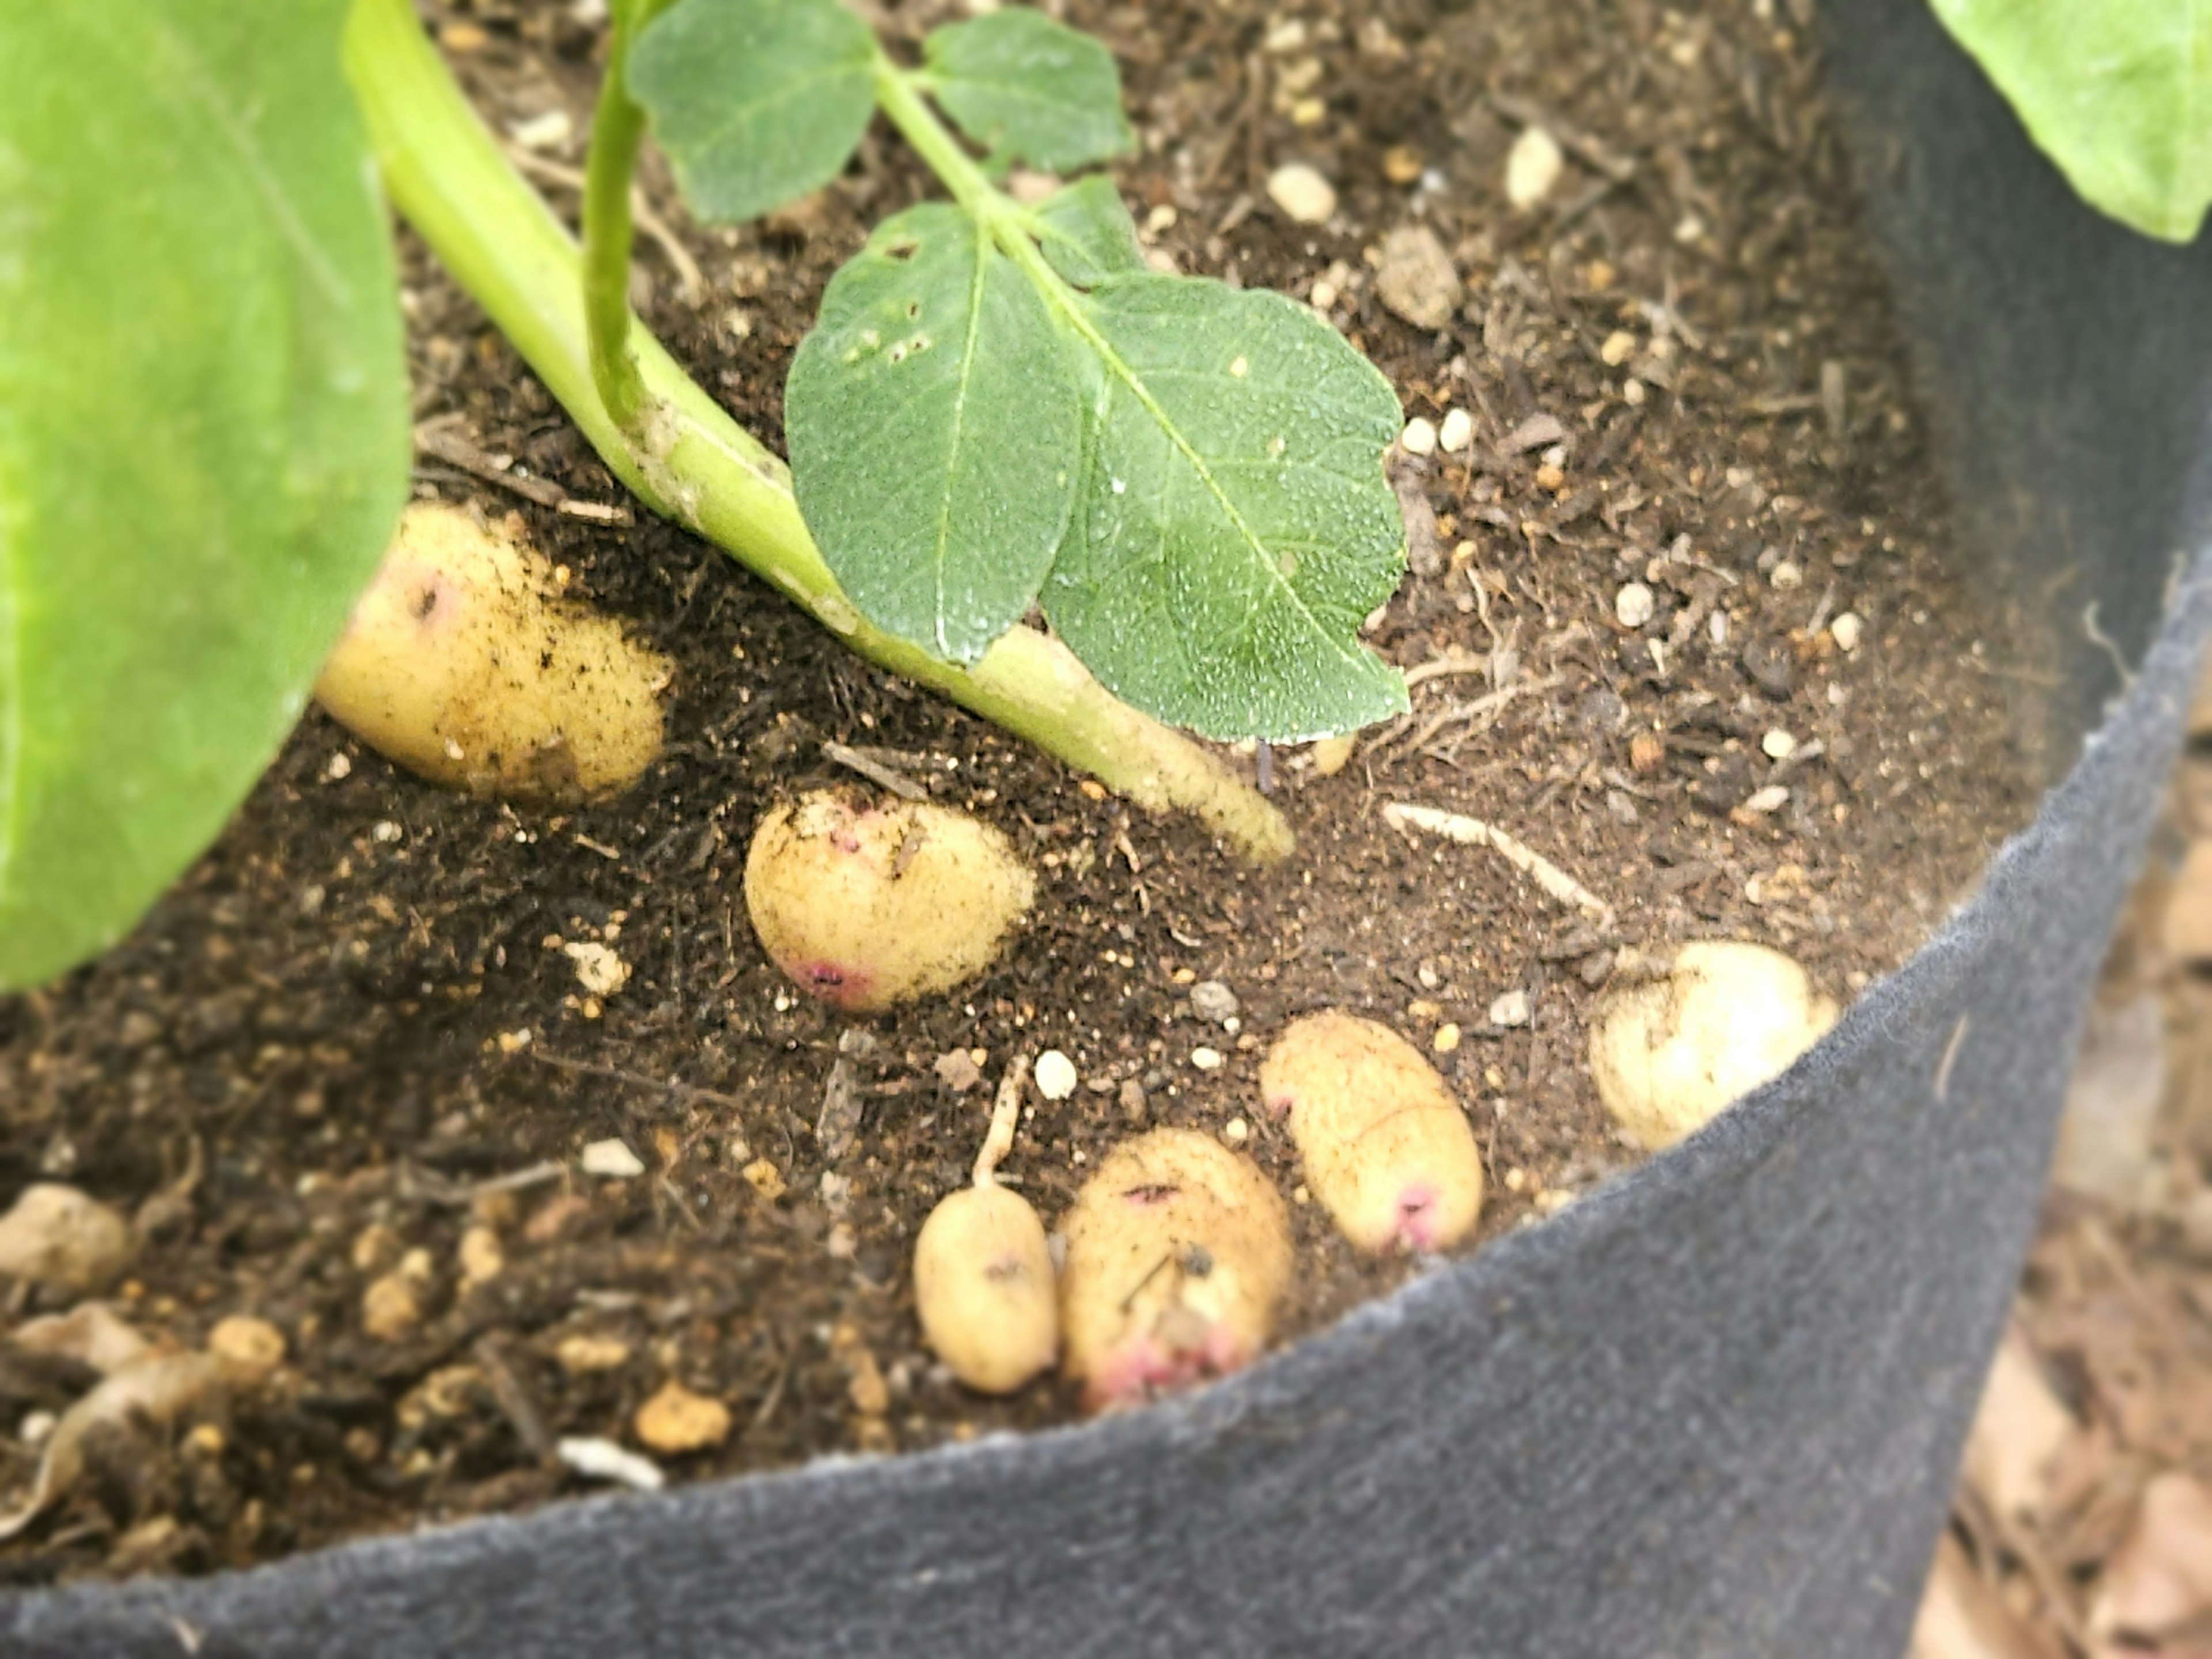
{"x": 1055, "y": 1075}
{"x": 599, "y": 970}
{"x": 1510, "y": 1009}
{"x": 1778, "y": 744}
{"x": 1457, "y": 431}
{"x": 1847, "y": 628}
{"x": 612, "y": 1160}
{"x": 1302, "y": 193}
{"x": 1634, "y": 606}
{"x": 603, "y": 1459}
{"x": 1532, "y": 167}
{"x": 1206, "y": 1060}
{"x": 1419, "y": 437}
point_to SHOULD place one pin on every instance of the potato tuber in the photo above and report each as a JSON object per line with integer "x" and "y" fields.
{"x": 982, "y": 1272}
{"x": 1387, "y": 1149}
{"x": 1670, "y": 1055}
{"x": 464, "y": 663}
{"x": 1178, "y": 1250}
{"x": 869, "y": 905}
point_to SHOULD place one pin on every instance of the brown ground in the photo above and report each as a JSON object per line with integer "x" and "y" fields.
{"x": 326, "y": 1020}
{"x": 2084, "y": 1521}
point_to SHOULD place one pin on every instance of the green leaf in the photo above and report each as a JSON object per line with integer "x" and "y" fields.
{"x": 1086, "y": 233}
{"x": 935, "y": 426}
{"x": 1236, "y": 526}
{"x": 755, "y": 102}
{"x": 203, "y": 435}
{"x": 1029, "y": 90}
{"x": 2117, "y": 93}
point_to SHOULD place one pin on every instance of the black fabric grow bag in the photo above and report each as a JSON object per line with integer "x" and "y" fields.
{"x": 1713, "y": 1409}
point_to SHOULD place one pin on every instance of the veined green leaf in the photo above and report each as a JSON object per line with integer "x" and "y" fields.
{"x": 203, "y": 435}
{"x": 935, "y": 427}
{"x": 2117, "y": 93}
{"x": 755, "y": 102}
{"x": 1029, "y": 89}
{"x": 1087, "y": 232}
{"x": 1234, "y": 527}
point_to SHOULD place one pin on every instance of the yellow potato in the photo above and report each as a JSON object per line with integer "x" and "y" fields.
{"x": 869, "y": 905}
{"x": 463, "y": 664}
{"x": 1668, "y": 1057}
{"x": 1178, "y": 1250}
{"x": 1387, "y": 1149}
{"x": 983, "y": 1286}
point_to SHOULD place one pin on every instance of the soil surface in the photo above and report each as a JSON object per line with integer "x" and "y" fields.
{"x": 353, "y": 1066}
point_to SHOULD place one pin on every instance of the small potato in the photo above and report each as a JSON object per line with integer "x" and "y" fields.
{"x": 1669, "y": 1055}
{"x": 983, "y": 1286}
{"x": 463, "y": 664}
{"x": 1387, "y": 1149}
{"x": 1178, "y": 1250}
{"x": 865, "y": 906}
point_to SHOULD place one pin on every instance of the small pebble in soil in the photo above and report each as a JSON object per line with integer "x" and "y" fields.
{"x": 1401, "y": 164}
{"x": 1237, "y": 1131}
{"x": 1457, "y": 431}
{"x": 675, "y": 1420}
{"x": 389, "y": 1310}
{"x": 1778, "y": 744}
{"x": 765, "y": 1179}
{"x": 1206, "y": 1060}
{"x": 55, "y": 1235}
{"x": 1633, "y": 605}
{"x": 1509, "y": 1009}
{"x": 1785, "y": 576}
{"x": 1302, "y": 193}
{"x": 246, "y": 1346}
{"x": 1532, "y": 167}
{"x": 1619, "y": 346}
{"x": 1210, "y": 1000}
{"x": 1416, "y": 279}
{"x": 1772, "y": 799}
{"x": 584, "y": 1352}
{"x": 1647, "y": 753}
{"x": 1446, "y": 1038}
{"x": 1847, "y": 628}
{"x": 1132, "y": 1099}
{"x": 1419, "y": 437}
{"x": 612, "y": 1159}
{"x": 1055, "y": 1075}
{"x": 481, "y": 1259}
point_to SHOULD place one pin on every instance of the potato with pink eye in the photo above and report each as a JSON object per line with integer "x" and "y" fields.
{"x": 464, "y": 663}
{"x": 1178, "y": 1251}
{"x": 867, "y": 904}
{"x": 1387, "y": 1150}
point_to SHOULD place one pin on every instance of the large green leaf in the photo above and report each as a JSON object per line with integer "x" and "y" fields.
{"x": 936, "y": 430}
{"x": 755, "y": 101}
{"x": 204, "y": 437}
{"x": 1236, "y": 526}
{"x": 2117, "y": 93}
{"x": 1029, "y": 90}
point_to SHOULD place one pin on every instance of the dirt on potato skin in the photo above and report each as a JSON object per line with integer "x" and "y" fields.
{"x": 333, "y": 1004}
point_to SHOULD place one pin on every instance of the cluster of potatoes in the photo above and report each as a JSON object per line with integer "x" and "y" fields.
{"x": 466, "y": 663}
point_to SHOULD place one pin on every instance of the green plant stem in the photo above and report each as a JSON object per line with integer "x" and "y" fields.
{"x": 618, "y": 128}
{"x": 688, "y": 461}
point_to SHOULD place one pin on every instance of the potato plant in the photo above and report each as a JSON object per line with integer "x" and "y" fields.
{"x": 1003, "y": 410}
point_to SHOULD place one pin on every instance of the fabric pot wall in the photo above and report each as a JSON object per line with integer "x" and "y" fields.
{"x": 1713, "y": 1409}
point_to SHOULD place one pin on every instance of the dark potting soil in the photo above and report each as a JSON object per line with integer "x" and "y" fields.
{"x": 350, "y": 1049}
